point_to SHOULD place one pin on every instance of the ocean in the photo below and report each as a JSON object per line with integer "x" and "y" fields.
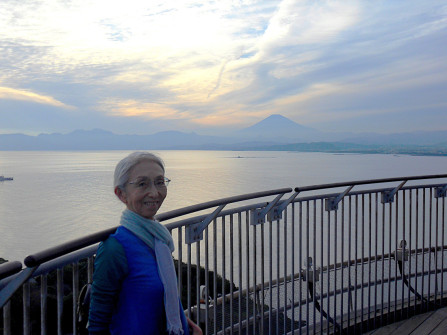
{"x": 57, "y": 196}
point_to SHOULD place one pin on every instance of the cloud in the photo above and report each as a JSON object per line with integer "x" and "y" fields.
{"x": 309, "y": 23}
{"x": 216, "y": 119}
{"x": 225, "y": 62}
{"x": 25, "y": 95}
{"x": 133, "y": 108}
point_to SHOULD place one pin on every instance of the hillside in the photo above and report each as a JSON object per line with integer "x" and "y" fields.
{"x": 275, "y": 132}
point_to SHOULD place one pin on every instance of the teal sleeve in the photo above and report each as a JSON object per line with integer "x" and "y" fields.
{"x": 109, "y": 272}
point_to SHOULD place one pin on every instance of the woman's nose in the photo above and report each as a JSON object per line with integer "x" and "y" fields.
{"x": 151, "y": 189}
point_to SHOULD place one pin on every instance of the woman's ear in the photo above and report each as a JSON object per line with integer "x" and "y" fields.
{"x": 121, "y": 194}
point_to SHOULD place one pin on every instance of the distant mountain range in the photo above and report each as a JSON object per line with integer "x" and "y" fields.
{"x": 280, "y": 129}
{"x": 276, "y": 132}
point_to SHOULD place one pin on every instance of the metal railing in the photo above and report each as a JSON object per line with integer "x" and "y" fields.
{"x": 302, "y": 261}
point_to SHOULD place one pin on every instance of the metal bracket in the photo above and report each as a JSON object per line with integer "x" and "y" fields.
{"x": 402, "y": 253}
{"x": 194, "y": 232}
{"x": 7, "y": 292}
{"x": 332, "y": 203}
{"x": 309, "y": 271}
{"x": 441, "y": 191}
{"x": 276, "y": 212}
{"x": 258, "y": 215}
{"x": 388, "y": 196}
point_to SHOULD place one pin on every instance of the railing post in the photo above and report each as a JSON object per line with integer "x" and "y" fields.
{"x": 194, "y": 232}
{"x": 276, "y": 212}
{"x": 332, "y": 203}
{"x": 7, "y": 318}
{"x": 90, "y": 269}
{"x": 258, "y": 215}
{"x": 75, "y": 276}
{"x": 26, "y": 309}
{"x": 259, "y": 312}
{"x": 388, "y": 196}
{"x": 59, "y": 299}
{"x": 441, "y": 191}
{"x": 43, "y": 304}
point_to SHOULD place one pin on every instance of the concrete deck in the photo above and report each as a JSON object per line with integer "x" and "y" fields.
{"x": 434, "y": 323}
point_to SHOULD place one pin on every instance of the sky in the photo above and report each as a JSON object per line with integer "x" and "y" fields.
{"x": 139, "y": 67}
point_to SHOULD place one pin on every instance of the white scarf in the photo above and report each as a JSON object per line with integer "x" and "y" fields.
{"x": 158, "y": 238}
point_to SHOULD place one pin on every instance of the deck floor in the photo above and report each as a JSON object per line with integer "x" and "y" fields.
{"x": 434, "y": 323}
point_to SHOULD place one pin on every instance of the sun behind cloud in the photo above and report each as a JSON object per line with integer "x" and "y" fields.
{"x": 130, "y": 108}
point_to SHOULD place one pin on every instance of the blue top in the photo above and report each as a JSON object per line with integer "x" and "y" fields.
{"x": 127, "y": 292}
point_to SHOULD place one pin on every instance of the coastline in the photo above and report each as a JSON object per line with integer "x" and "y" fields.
{"x": 320, "y": 147}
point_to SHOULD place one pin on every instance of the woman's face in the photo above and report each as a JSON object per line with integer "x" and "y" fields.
{"x": 145, "y": 191}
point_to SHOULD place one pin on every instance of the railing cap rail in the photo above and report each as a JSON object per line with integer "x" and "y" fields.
{"x": 60, "y": 250}
{"x": 65, "y": 248}
{"x": 366, "y": 182}
{"x": 214, "y": 203}
{"x": 9, "y": 268}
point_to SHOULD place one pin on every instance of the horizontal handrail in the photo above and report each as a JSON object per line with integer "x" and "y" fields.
{"x": 214, "y": 203}
{"x": 195, "y": 219}
{"x": 63, "y": 249}
{"x": 362, "y": 192}
{"x": 366, "y": 182}
{"x": 9, "y": 268}
{"x": 57, "y": 251}
{"x": 55, "y": 263}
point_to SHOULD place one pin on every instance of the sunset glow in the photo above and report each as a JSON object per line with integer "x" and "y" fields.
{"x": 222, "y": 64}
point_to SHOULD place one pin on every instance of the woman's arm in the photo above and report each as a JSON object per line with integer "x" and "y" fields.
{"x": 193, "y": 328}
{"x": 110, "y": 269}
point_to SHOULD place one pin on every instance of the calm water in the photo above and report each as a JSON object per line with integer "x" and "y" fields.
{"x": 58, "y": 196}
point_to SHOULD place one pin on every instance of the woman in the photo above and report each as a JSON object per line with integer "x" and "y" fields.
{"x": 134, "y": 288}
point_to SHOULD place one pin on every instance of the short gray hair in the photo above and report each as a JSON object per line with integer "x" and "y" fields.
{"x": 122, "y": 169}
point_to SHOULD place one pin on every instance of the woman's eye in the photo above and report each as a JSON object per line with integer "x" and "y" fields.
{"x": 142, "y": 184}
{"x": 159, "y": 182}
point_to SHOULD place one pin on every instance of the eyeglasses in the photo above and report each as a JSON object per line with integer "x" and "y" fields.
{"x": 144, "y": 184}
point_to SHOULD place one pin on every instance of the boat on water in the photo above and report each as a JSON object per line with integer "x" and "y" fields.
{"x": 3, "y": 178}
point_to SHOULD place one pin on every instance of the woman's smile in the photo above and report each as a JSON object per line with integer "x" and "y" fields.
{"x": 144, "y": 194}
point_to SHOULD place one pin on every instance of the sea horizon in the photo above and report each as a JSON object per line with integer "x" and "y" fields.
{"x": 57, "y": 196}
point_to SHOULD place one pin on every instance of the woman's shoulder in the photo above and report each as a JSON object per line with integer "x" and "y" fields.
{"x": 116, "y": 240}
{"x": 127, "y": 239}
{"x": 111, "y": 243}
{"x": 111, "y": 255}
{"x": 111, "y": 248}
{"x": 116, "y": 246}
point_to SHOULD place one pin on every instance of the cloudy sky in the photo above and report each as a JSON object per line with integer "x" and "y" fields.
{"x": 208, "y": 66}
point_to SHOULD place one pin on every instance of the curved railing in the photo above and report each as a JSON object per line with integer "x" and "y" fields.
{"x": 9, "y": 268}
{"x": 304, "y": 260}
